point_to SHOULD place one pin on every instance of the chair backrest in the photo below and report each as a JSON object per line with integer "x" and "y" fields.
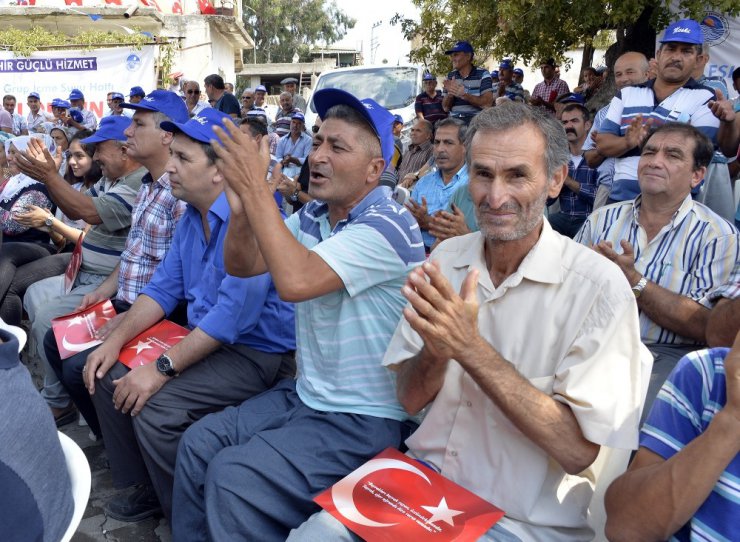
{"x": 81, "y": 478}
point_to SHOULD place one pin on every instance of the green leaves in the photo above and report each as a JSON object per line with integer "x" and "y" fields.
{"x": 25, "y": 42}
{"x": 284, "y": 27}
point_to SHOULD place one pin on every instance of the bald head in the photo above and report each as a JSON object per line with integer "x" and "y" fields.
{"x": 631, "y": 69}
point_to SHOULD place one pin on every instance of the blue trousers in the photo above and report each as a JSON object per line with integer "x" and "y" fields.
{"x": 250, "y": 472}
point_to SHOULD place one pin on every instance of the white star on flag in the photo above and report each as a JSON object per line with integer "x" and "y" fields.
{"x": 77, "y": 320}
{"x": 442, "y": 512}
{"x": 142, "y": 345}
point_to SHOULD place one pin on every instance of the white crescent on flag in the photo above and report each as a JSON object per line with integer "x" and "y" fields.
{"x": 342, "y": 491}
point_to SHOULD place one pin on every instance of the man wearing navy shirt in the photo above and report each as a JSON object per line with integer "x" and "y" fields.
{"x": 428, "y": 104}
{"x": 241, "y": 341}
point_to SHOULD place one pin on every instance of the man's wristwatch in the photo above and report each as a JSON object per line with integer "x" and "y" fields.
{"x": 165, "y": 366}
{"x": 49, "y": 221}
{"x": 639, "y": 287}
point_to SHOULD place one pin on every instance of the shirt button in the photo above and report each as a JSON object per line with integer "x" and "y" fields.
{"x": 468, "y": 403}
{"x": 453, "y": 453}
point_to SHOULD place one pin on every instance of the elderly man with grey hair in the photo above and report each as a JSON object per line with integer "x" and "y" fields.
{"x": 522, "y": 345}
{"x": 281, "y": 126}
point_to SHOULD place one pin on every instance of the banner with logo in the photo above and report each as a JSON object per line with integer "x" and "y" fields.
{"x": 722, "y": 36}
{"x": 53, "y": 74}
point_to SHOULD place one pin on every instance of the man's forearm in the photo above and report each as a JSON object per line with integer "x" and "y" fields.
{"x": 143, "y": 314}
{"x": 614, "y": 146}
{"x": 655, "y": 498}
{"x": 484, "y": 100}
{"x": 723, "y": 322}
{"x": 109, "y": 286}
{"x": 548, "y": 423}
{"x": 241, "y": 253}
{"x": 419, "y": 380}
{"x": 447, "y": 102}
{"x": 74, "y": 204}
{"x": 728, "y": 136}
{"x": 674, "y": 312}
{"x": 193, "y": 348}
{"x": 593, "y": 158}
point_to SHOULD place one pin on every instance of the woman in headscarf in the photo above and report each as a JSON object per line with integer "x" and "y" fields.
{"x": 61, "y": 140}
{"x": 21, "y": 244}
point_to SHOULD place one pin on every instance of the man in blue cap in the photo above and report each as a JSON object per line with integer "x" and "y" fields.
{"x": 36, "y": 116}
{"x": 136, "y": 94}
{"x": 115, "y": 99}
{"x": 518, "y": 78}
{"x": 241, "y": 339}
{"x": 88, "y": 120}
{"x": 293, "y": 147}
{"x": 467, "y": 89}
{"x": 506, "y": 89}
{"x": 673, "y": 96}
{"x": 60, "y": 111}
{"x": 107, "y": 207}
{"x": 254, "y": 470}
{"x": 428, "y": 104}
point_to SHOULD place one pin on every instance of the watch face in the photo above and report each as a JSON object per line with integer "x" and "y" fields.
{"x": 164, "y": 366}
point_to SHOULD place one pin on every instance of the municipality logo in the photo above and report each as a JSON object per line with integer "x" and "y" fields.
{"x": 715, "y": 27}
{"x": 133, "y": 62}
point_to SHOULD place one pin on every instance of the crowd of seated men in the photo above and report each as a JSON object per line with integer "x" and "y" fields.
{"x": 466, "y": 328}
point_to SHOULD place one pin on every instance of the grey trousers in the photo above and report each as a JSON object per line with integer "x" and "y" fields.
{"x": 44, "y": 301}
{"x": 144, "y": 448}
{"x": 665, "y": 358}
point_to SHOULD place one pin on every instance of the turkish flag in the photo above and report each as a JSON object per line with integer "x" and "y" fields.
{"x": 75, "y": 332}
{"x": 70, "y": 274}
{"x": 393, "y": 497}
{"x": 147, "y": 346}
{"x": 206, "y": 8}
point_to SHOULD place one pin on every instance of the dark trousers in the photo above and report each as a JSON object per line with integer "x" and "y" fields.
{"x": 251, "y": 472}
{"x": 144, "y": 448}
{"x": 22, "y": 264}
{"x": 69, "y": 373}
{"x": 566, "y": 224}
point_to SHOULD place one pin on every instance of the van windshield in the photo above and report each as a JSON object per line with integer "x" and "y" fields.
{"x": 392, "y": 87}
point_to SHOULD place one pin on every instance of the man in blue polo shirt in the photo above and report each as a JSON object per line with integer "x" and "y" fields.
{"x": 254, "y": 470}
{"x": 672, "y": 97}
{"x": 467, "y": 89}
{"x": 241, "y": 340}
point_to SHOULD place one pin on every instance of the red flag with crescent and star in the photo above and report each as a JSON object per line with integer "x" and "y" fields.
{"x": 394, "y": 497}
{"x": 147, "y": 346}
{"x": 75, "y": 332}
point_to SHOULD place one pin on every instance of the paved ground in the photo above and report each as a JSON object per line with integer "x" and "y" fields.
{"x": 95, "y": 525}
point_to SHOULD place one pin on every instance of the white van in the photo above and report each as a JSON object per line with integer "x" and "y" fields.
{"x": 393, "y": 87}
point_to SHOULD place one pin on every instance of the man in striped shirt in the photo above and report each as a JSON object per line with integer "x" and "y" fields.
{"x": 467, "y": 89}
{"x": 672, "y": 97}
{"x": 672, "y": 250}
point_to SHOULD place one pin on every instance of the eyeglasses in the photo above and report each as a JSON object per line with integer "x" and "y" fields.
{"x": 315, "y": 129}
{"x": 247, "y": 97}
{"x": 192, "y": 91}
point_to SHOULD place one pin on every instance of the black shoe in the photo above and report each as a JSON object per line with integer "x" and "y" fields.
{"x": 138, "y": 504}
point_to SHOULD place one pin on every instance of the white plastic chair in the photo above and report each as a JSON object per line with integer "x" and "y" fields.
{"x": 81, "y": 478}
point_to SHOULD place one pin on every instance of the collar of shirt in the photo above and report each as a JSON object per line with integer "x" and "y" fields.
{"x": 419, "y": 148}
{"x": 685, "y": 208}
{"x": 691, "y": 84}
{"x": 371, "y": 198}
{"x": 541, "y": 264}
{"x": 461, "y": 173}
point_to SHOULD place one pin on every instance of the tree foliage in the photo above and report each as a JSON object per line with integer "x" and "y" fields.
{"x": 530, "y": 30}
{"x": 283, "y": 28}
{"x": 23, "y": 42}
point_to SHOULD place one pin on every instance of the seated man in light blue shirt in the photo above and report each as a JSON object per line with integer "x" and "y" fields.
{"x": 343, "y": 259}
{"x": 293, "y": 147}
{"x": 432, "y": 192}
{"x": 241, "y": 342}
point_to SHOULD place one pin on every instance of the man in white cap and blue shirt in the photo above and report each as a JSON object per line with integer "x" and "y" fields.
{"x": 344, "y": 256}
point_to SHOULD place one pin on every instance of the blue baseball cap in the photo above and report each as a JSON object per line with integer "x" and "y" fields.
{"x": 684, "y": 31}
{"x": 136, "y": 91}
{"x": 377, "y": 116}
{"x": 58, "y": 102}
{"x": 518, "y": 71}
{"x": 76, "y": 94}
{"x": 298, "y": 116}
{"x": 571, "y": 98}
{"x": 397, "y": 118}
{"x": 76, "y": 115}
{"x": 200, "y": 127}
{"x": 34, "y": 95}
{"x": 116, "y": 96}
{"x": 428, "y": 77}
{"x": 460, "y": 47}
{"x": 260, "y": 88}
{"x": 505, "y": 64}
{"x": 494, "y": 73}
{"x": 110, "y": 128}
{"x": 162, "y": 101}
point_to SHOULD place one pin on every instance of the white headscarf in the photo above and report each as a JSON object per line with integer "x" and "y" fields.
{"x": 20, "y": 181}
